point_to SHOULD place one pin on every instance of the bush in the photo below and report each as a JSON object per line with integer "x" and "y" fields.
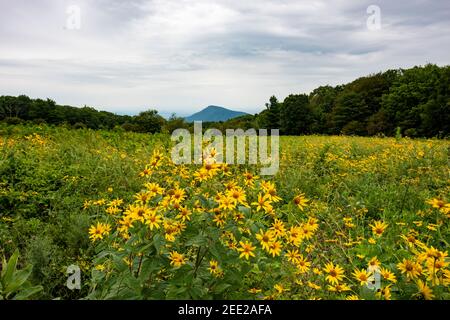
{"x": 13, "y": 120}
{"x": 39, "y": 121}
{"x": 14, "y": 283}
{"x": 354, "y": 128}
{"x": 79, "y": 125}
{"x": 127, "y": 126}
{"x": 411, "y": 133}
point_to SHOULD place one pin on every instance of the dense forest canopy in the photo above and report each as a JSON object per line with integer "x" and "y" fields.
{"x": 416, "y": 100}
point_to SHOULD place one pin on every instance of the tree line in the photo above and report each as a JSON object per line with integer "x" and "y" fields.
{"x": 15, "y": 110}
{"x": 414, "y": 102}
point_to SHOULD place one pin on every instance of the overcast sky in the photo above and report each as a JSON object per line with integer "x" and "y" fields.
{"x": 180, "y": 56}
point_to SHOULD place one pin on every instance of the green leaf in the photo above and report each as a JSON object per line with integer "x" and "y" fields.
{"x": 18, "y": 279}
{"x": 10, "y": 268}
{"x": 143, "y": 248}
{"x": 198, "y": 240}
{"x": 244, "y": 210}
{"x": 149, "y": 266}
{"x": 221, "y": 287}
{"x": 158, "y": 242}
{"x": 105, "y": 253}
{"x": 27, "y": 293}
{"x": 197, "y": 292}
{"x": 3, "y": 271}
{"x": 174, "y": 292}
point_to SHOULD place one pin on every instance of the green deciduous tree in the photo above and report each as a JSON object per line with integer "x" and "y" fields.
{"x": 295, "y": 115}
{"x": 149, "y": 121}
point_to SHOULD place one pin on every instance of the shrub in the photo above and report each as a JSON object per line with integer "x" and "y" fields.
{"x": 13, "y": 120}
{"x": 14, "y": 283}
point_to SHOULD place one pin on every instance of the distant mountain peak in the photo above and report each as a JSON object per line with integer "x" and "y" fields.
{"x": 213, "y": 107}
{"x": 214, "y": 114}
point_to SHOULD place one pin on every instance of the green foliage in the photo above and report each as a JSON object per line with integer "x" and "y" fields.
{"x": 149, "y": 121}
{"x": 14, "y": 284}
{"x": 419, "y": 101}
{"x": 13, "y": 120}
{"x": 150, "y": 250}
{"x": 350, "y": 110}
{"x": 270, "y": 118}
{"x": 321, "y": 101}
{"x": 295, "y": 115}
{"x": 46, "y": 173}
{"x": 416, "y": 99}
{"x": 379, "y": 124}
{"x": 16, "y": 110}
{"x": 174, "y": 123}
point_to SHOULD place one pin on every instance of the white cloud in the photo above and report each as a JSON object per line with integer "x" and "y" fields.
{"x": 183, "y": 55}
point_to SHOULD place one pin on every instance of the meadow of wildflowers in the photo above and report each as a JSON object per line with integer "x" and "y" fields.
{"x": 344, "y": 218}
